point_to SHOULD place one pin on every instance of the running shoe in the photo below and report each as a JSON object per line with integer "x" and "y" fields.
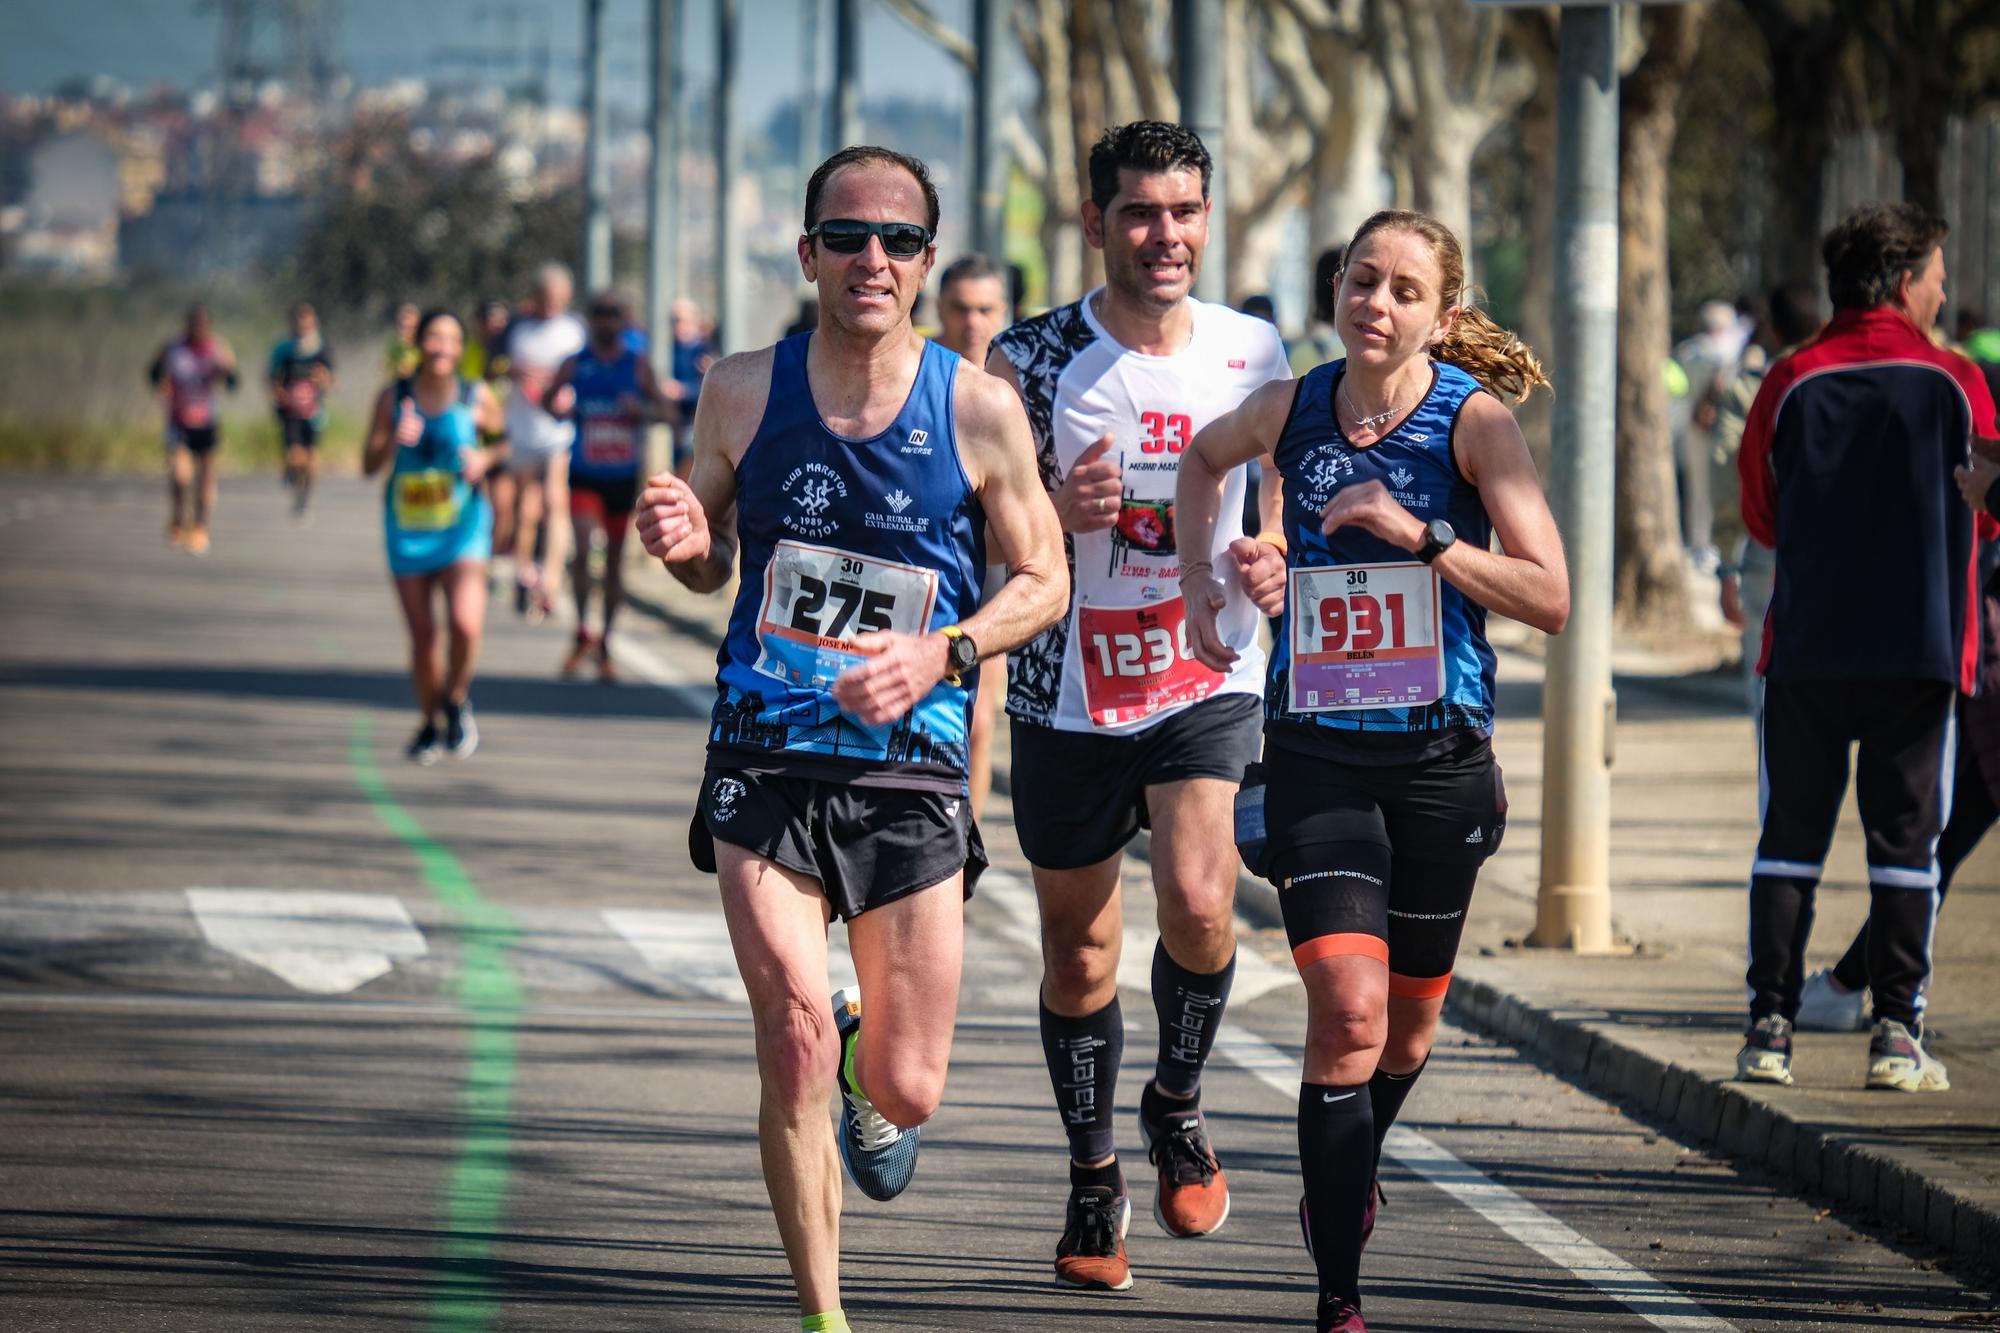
{"x": 1337, "y": 1314}
{"x": 521, "y": 594}
{"x": 1193, "y": 1198}
{"x": 176, "y": 534}
{"x": 1825, "y": 1007}
{"x": 579, "y": 652}
{"x": 1091, "y": 1254}
{"x": 878, "y": 1157}
{"x": 197, "y": 540}
{"x": 607, "y": 673}
{"x": 461, "y": 729}
{"x": 1898, "y": 1062}
{"x": 1766, "y": 1056}
{"x": 424, "y": 748}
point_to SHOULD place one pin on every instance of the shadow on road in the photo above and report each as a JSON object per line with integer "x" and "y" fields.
{"x": 376, "y": 689}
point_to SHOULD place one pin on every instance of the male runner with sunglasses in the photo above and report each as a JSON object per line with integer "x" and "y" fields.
{"x": 1115, "y": 725}
{"x": 863, "y": 473}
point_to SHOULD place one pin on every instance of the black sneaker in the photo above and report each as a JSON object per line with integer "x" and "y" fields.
{"x": 1091, "y": 1254}
{"x": 424, "y": 748}
{"x": 461, "y": 732}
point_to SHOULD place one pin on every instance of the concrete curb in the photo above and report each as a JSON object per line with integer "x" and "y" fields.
{"x": 1905, "y": 1188}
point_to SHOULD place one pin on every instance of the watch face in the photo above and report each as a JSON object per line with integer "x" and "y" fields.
{"x": 1441, "y": 532}
{"x": 964, "y": 655}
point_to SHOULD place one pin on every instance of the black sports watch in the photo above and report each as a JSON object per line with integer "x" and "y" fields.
{"x": 961, "y": 654}
{"x": 1438, "y": 538}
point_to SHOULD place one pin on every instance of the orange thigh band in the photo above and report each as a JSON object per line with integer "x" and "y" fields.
{"x": 1418, "y": 988}
{"x": 1351, "y": 944}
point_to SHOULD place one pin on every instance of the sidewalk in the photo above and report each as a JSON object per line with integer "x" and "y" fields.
{"x": 1659, "y": 1027}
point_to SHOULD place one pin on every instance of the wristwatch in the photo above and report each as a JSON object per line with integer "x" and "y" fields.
{"x": 961, "y": 654}
{"x": 1438, "y": 538}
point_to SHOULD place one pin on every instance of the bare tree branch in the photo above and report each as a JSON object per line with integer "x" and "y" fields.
{"x": 918, "y": 15}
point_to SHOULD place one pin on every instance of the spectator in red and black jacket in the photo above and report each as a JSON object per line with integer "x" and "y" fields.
{"x": 1847, "y": 468}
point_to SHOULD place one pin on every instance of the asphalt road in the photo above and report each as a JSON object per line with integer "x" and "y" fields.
{"x": 294, "y": 1035}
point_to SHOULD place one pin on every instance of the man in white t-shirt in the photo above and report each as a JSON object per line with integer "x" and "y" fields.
{"x": 539, "y": 432}
{"x": 1115, "y": 724}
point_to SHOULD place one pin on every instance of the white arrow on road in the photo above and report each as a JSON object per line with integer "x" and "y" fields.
{"x": 319, "y": 941}
{"x": 690, "y": 951}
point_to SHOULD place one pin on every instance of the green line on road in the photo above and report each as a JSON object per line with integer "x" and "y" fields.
{"x": 491, "y": 996}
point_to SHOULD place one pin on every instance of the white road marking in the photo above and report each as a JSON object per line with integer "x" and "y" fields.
{"x": 690, "y": 951}
{"x": 1646, "y": 1296}
{"x": 323, "y": 942}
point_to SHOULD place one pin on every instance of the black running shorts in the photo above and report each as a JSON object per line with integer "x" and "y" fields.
{"x": 866, "y": 846}
{"x": 301, "y": 431}
{"x": 195, "y": 439}
{"x": 1079, "y": 797}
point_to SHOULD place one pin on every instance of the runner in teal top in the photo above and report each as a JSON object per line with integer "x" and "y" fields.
{"x": 438, "y": 523}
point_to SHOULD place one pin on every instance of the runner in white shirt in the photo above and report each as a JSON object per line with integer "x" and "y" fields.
{"x": 539, "y": 433}
{"x": 1115, "y": 724}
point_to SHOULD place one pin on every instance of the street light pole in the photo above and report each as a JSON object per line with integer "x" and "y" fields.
{"x": 1573, "y": 907}
{"x": 846, "y": 72}
{"x": 663, "y": 217}
{"x": 597, "y": 155}
{"x": 989, "y": 110}
{"x": 728, "y": 230}
{"x": 1199, "y": 57}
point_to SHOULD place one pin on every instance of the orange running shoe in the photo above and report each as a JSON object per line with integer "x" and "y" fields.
{"x": 197, "y": 540}
{"x": 1194, "y": 1194}
{"x": 176, "y": 535}
{"x": 1091, "y": 1254}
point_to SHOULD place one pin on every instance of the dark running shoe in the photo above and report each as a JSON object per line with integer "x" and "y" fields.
{"x": 1091, "y": 1254}
{"x": 1193, "y": 1198}
{"x": 878, "y": 1157}
{"x": 424, "y": 748}
{"x": 461, "y": 730}
{"x": 1337, "y": 1314}
{"x": 1766, "y": 1056}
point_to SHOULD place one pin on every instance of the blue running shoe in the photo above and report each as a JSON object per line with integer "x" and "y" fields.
{"x": 877, "y": 1156}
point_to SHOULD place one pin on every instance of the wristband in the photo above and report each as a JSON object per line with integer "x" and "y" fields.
{"x": 1199, "y": 566}
{"x": 1277, "y": 539}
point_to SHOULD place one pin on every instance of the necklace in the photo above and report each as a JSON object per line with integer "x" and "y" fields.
{"x": 1366, "y": 422}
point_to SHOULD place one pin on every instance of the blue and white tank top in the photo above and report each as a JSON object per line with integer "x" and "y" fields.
{"x": 610, "y": 439}
{"x": 1419, "y": 465}
{"x": 841, "y": 537}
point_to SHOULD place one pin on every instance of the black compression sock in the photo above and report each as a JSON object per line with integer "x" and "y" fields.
{"x": 1335, "y": 1154}
{"x": 1083, "y": 1055}
{"x": 1189, "y": 1005}
{"x": 1386, "y": 1092}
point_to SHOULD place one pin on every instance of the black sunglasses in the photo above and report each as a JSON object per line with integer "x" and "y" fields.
{"x": 849, "y": 236}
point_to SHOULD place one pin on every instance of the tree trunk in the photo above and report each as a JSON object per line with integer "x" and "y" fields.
{"x": 1808, "y": 80}
{"x": 1347, "y": 168}
{"x": 1535, "y": 34}
{"x": 1651, "y": 565}
{"x": 1087, "y": 121}
{"x": 1061, "y": 237}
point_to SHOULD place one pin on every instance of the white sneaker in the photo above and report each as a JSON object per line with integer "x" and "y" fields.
{"x": 1825, "y": 1007}
{"x": 1898, "y": 1062}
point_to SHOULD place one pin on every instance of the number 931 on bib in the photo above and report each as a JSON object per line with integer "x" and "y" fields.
{"x": 1364, "y": 636}
{"x": 817, "y": 599}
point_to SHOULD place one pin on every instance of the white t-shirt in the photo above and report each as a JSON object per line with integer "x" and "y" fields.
{"x": 536, "y": 349}
{"x": 1118, "y": 663}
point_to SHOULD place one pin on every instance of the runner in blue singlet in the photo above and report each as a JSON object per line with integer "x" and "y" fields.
{"x": 864, "y": 474}
{"x": 615, "y": 394}
{"x": 1378, "y": 798}
{"x": 437, "y": 523}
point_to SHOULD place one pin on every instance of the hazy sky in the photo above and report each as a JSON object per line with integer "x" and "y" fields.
{"x": 144, "y": 42}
